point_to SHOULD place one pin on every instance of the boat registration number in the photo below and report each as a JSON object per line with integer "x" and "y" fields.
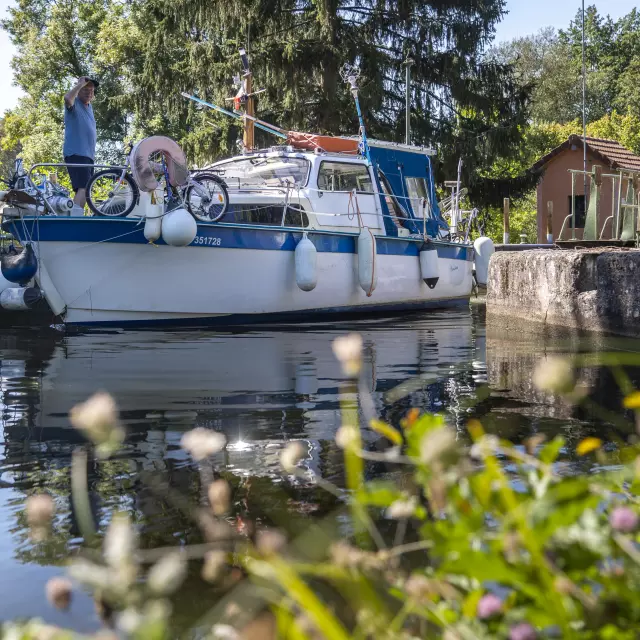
{"x": 207, "y": 240}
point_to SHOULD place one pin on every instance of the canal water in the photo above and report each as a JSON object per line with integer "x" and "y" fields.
{"x": 262, "y": 387}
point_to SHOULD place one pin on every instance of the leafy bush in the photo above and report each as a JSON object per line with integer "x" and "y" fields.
{"x": 467, "y": 537}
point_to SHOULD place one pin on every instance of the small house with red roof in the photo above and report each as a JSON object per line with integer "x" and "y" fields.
{"x": 555, "y": 183}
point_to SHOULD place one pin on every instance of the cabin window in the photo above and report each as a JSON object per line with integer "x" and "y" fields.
{"x": 417, "y": 190}
{"x": 261, "y": 171}
{"x": 344, "y": 176}
{"x": 268, "y": 215}
{"x": 396, "y": 211}
{"x": 581, "y": 212}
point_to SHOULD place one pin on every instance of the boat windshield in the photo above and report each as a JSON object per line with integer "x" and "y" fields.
{"x": 261, "y": 171}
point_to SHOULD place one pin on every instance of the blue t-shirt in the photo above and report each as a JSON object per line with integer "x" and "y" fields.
{"x": 79, "y": 130}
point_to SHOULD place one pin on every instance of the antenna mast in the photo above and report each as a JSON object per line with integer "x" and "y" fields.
{"x": 248, "y": 136}
{"x": 584, "y": 111}
{"x": 351, "y": 74}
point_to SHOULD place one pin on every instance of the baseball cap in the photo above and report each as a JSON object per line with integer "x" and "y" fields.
{"x": 94, "y": 82}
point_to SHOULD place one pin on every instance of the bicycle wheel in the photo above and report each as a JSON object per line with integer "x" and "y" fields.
{"x": 112, "y": 194}
{"x": 208, "y": 199}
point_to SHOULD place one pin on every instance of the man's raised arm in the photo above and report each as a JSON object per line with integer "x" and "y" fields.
{"x": 70, "y": 97}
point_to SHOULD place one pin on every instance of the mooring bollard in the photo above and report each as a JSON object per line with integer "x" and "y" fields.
{"x": 505, "y": 237}
{"x": 550, "y": 222}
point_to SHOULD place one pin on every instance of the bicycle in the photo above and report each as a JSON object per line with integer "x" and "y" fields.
{"x": 114, "y": 193}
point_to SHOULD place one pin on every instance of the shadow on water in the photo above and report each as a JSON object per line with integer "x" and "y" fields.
{"x": 262, "y": 387}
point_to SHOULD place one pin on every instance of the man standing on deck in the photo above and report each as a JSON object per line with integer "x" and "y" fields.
{"x": 80, "y": 138}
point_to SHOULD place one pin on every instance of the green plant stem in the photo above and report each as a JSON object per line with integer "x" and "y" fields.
{"x": 80, "y": 494}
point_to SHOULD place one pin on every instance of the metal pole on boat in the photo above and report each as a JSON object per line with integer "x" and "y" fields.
{"x": 407, "y": 98}
{"x": 584, "y": 110}
{"x": 248, "y": 137}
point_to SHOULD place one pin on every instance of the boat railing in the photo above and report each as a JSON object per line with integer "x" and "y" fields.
{"x": 293, "y": 192}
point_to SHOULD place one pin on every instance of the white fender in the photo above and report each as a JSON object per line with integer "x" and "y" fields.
{"x": 6, "y": 284}
{"x": 152, "y": 207}
{"x": 429, "y": 266}
{"x": 176, "y": 160}
{"x": 179, "y": 228}
{"x": 484, "y": 249}
{"x": 19, "y": 299}
{"x": 367, "y": 267}
{"x": 306, "y": 264}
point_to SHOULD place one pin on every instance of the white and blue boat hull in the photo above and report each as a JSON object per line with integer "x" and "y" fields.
{"x": 105, "y": 272}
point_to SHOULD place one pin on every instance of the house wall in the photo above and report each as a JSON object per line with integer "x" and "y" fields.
{"x": 555, "y": 186}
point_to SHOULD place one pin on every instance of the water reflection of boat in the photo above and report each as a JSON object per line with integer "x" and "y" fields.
{"x": 260, "y": 383}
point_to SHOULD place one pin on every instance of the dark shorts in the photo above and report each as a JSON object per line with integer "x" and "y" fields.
{"x": 79, "y": 175}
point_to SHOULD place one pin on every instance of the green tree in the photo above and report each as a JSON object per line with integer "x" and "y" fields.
{"x": 464, "y": 103}
{"x": 544, "y": 63}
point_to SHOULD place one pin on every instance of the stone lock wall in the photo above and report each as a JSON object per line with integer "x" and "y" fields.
{"x": 590, "y": 289}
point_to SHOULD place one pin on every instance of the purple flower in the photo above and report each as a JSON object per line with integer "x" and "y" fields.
{"x": 522, "y": 631}
{"x": 489, "y": 606}
{"x": 623, "y": 519}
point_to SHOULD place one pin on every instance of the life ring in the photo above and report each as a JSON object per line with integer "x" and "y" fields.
{"x": 143, "y": 173}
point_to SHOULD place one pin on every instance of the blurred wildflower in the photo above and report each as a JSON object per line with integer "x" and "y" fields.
{"x": 623, "y": 519}
{"x": 418, "y": 586}
{"x": 348, "y": 350}
{"x": 98, "y": 419}
{"x": 292, "y": 454}
{"x": 531, "y": 444}
{"x": 554, "y": 374}
{"x": 401, "y": 509}
{"x": 487, "y": 445}
{"x": 270, "y": 542}
{"x": 129, "y": 621}
{"x": 588, "y": 445}
{"x": 489, "y": 606}
{"x": 436, "y": 444}
{"x": 219, "y": 493}
{"x": 91, "y": 575}
{"x": 202, "y": 443}
{"x": 59, "y": 592}
{"x": 346, "y": 437}
{"x": 39, "y": 510}
{"x": 522, "y": 631}
{"x": 119, "y": 548}
{"x": 214, "y": 565}
{"x": 224, "y": 632}
{"x": 167, "y": 574}
{"x": 632, "y": 401}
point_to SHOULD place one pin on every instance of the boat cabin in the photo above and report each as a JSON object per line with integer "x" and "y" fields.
{"x": 394, "y": 195}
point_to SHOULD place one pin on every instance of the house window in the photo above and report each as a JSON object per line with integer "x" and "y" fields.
{"x": 344, "y": 176}
{"x": 581, "y": 212}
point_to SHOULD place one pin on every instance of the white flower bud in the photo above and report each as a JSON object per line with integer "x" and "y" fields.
{"x": 119, "y": 541}
{"x": 202, "y": 443}
{"x": 292, "y": 454}
{"x": 39, "y": 510}
{"x": 59, "y": 592}
{"x": 346, "y": 437}
{"x": 167, "y": 574}
{"x": 436, "y": 444}
{"x": 98, "y": 419}
{"x": 401, "y": 509}
{"x": 219, "y": 494}
{"x": 214, "y": 565}
{"x": 348, "y": 350}
{"x": 270, "y": 542}
{"x": 554, "y": 374}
